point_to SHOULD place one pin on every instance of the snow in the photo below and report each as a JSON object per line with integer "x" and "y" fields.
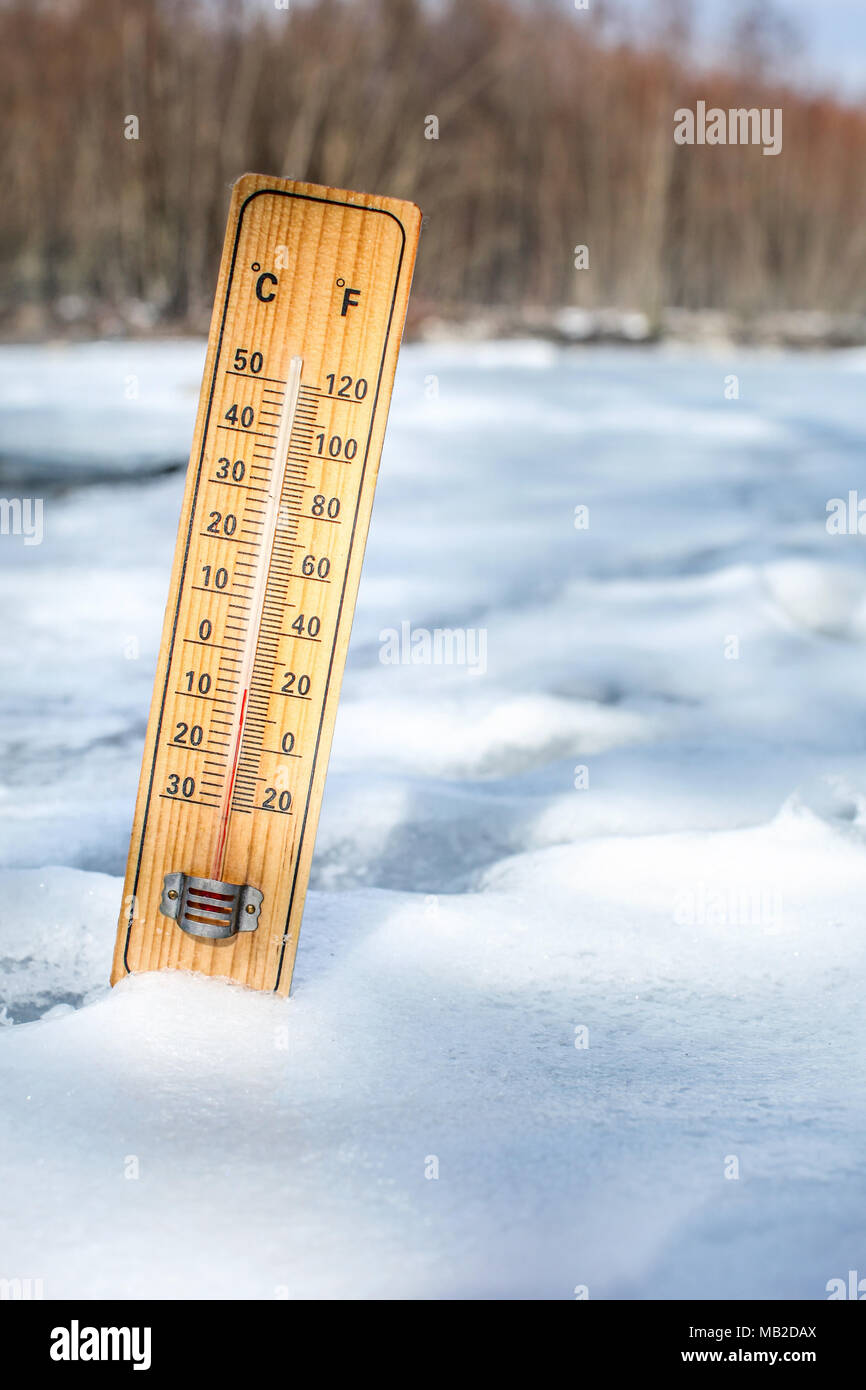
{"x": 585, "y": 930}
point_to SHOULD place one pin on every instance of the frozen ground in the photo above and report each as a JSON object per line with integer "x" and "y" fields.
{"x": 691, "y": 918}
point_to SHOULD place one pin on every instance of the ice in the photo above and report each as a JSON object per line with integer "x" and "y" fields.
{"x": 64, "y": 407}
{"x": 645, "y": 817}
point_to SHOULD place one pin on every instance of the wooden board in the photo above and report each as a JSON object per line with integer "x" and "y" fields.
{"x": 306, "y": 327}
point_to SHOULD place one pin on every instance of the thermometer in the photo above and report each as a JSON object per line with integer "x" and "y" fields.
{"x": 309, "y": 312}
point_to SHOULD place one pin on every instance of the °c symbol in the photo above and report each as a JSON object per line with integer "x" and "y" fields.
{"x": 255, "y": 266}
{"x": 266, "y": 278}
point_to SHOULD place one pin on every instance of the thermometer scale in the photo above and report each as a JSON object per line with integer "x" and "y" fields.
{"x": 309, "y": 312}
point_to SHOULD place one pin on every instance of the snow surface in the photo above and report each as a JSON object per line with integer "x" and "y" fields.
{"x": 693, "y": 915}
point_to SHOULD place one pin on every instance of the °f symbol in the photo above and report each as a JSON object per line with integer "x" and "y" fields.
{"x": 350, "y": 297}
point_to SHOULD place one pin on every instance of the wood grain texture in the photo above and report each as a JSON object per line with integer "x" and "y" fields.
{"x": 233, "y": 769}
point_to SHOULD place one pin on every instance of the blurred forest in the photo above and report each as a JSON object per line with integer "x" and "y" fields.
{"x": 555, "y": 129}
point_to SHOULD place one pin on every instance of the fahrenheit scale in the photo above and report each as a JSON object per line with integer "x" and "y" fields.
{"x": 306, "y": 327}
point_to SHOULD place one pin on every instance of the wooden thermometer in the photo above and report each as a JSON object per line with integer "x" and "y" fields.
{"x": 306, "y": 327}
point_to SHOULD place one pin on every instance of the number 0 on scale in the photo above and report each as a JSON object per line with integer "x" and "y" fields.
{"x": 306, "y": 327}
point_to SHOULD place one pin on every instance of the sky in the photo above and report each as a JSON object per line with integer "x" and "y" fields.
{"x": 833, "y": 34}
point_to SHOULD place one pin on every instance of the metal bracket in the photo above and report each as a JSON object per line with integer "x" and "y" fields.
{"x": 207, "y": 907}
